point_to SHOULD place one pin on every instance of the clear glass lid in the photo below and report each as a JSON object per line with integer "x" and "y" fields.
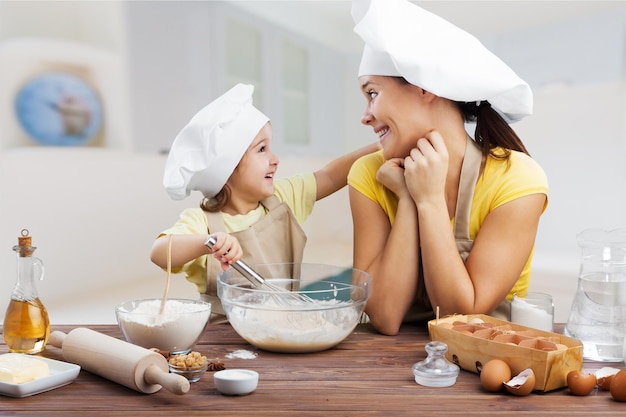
{"x": 436, "y": 370}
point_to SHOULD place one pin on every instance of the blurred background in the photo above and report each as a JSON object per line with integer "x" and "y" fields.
{"x": 92, "y": 93}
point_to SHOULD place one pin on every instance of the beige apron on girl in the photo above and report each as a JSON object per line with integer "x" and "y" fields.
{"x": 470, "y": 171}
{"x": 276, "y": 237}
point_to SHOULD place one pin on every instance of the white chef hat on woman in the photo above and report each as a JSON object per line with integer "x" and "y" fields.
{"x": 208, "y": 149}
{"x": 404, "y": 40}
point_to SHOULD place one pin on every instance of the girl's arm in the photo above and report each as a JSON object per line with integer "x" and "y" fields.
{"x": 185, "y": 248}
{"x": 334, "y": 175}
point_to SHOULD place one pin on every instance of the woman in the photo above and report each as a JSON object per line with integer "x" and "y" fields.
{"x": 441, "y": 222}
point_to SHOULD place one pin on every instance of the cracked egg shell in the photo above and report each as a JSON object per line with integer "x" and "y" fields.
{"x": 604, "y": 376}
{"x": 581, "y": 383}
{"x": 618, "y": 386}
{"x": 522, "y": 384}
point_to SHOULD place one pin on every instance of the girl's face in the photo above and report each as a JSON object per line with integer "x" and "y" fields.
{"x": 396, "y": 111}
{"x": 253, "y": 179}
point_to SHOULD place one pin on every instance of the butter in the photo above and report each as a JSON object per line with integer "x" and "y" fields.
{"x": 17, "y": 369}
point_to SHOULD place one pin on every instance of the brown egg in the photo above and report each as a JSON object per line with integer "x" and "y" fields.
{"x": 604, "y": 376}
{"x": 618, "y": 386}
{"x": 580, "y": 383}
{"x": 522, "y": 384}
{"x": 494, "y": 374}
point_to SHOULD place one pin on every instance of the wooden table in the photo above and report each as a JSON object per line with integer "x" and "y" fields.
{"x": 368, "y": 374}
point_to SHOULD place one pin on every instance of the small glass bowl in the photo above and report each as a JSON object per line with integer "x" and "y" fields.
{"x": 192, "y": 374}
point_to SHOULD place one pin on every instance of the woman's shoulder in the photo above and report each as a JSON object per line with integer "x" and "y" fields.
{"x": 374, "y": 158}
{"x": 517, "y": 163}
{"x": 367, "y": 163}
{"x": 513, "y": 177}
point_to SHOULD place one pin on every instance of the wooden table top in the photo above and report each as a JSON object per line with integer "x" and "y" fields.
{"x": 367, "y": 374}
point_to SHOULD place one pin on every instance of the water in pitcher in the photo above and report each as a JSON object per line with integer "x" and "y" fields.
{"x": 598, "y": 314}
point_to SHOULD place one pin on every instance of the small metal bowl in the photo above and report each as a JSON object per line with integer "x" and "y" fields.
{"x": 192, "y": 374}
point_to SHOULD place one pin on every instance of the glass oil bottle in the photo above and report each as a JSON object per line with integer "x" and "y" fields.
{"x": 26, "y": 323}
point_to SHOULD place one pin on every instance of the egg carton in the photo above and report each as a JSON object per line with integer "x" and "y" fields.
{"x": 475, "y": 339}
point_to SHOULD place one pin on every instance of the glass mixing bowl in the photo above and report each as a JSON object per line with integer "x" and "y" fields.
{"x": 301, "y": 308}
{"x": 175, "y": 331}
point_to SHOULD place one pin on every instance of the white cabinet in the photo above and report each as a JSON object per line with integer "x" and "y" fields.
{"x": 182, "y": 55}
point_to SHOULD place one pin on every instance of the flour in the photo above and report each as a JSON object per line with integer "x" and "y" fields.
{"x": 178, "y": 328}
{"x": 322, "y": 325}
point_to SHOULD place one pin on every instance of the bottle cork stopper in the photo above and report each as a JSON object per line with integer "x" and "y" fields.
{"x": 25, "y": 239}
{"x": 25, "y": 243}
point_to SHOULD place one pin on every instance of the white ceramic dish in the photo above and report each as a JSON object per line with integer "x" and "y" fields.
{"x": 61, "y": 373}
{"x": 236, "y": 381}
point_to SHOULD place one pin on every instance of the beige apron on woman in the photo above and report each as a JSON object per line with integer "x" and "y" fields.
{"x": 470, "y": 171}
{"x": 276, "y": 237}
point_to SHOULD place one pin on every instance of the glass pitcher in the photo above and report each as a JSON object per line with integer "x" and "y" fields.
{"x": 598, "y": 314}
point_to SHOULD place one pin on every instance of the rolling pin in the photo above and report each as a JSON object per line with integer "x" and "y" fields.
{"x": 127, "y": 364}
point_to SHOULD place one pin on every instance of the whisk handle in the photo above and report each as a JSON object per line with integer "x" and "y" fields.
{"x": 240, "y": 266}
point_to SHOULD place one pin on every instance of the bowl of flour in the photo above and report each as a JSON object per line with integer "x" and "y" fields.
{"x": 306, "y": 307}
{"x": 176, "y": 329}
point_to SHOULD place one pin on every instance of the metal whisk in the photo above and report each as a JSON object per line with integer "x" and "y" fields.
{"x": 281, "y": 295}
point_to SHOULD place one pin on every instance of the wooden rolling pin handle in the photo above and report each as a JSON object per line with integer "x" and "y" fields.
{"x": 176, "y": 384}
{"x": 56, "y": 339}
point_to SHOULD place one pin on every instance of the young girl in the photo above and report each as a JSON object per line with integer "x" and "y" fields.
{"x": 441, "y": 220}
{"x": 225, "y": 153}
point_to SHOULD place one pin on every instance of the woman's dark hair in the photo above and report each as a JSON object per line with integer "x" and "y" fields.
{"x": 492, "y": 130}
{"x": 217, "y": 203}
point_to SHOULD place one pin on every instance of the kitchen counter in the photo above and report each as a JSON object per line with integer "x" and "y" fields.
{"x": 367, "y": 374}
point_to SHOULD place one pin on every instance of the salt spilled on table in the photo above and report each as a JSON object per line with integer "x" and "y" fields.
{"x": 242, "y": 354}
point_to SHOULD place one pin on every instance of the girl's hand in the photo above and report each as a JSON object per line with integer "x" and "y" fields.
{"x": 426, "y": 167}
{"x": 227, "y": 249}
{"x": 391, "y": 175}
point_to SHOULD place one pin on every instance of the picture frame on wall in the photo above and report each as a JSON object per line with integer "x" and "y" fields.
{"x": 60, "y": 105}
{"x": 59, "y": 93}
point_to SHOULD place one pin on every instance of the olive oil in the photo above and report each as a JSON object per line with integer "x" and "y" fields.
{"x": 26, "y": 326}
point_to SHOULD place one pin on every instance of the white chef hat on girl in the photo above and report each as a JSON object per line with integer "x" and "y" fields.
{"x": 404, "y": 40}
{"x": 208, "y": 149}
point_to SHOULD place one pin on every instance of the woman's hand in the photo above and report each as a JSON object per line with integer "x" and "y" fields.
{"x": 426, "y": 168}
{"x": 391, "y": 175}
{"x": 226, "y": 249}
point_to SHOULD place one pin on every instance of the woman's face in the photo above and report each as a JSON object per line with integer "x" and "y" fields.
{"x": 253, "y": 179}
{"x": 395, "y": 111}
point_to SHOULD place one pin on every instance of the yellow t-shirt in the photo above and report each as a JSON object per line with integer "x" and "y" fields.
{"x": 501, "y": 181}
{"x": 299, "y": 192}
